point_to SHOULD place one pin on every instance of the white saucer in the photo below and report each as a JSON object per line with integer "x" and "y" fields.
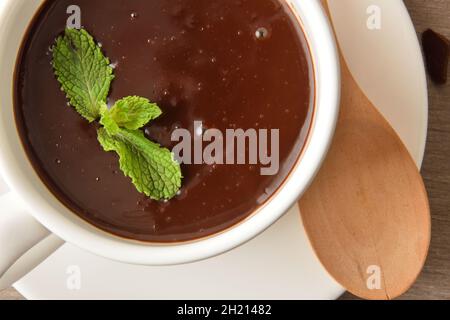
{"x": 279, "y": 264}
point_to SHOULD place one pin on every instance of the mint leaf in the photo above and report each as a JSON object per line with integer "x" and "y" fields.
{"x": 108, "y": 122}
{"x": 151, "y": 168}
{"x": 83, "y": 72}
{"x": 85, "y": 76}
{"x": 134, "y": 112}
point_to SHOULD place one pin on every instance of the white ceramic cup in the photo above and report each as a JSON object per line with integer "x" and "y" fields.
{"x": 31, "y": 210}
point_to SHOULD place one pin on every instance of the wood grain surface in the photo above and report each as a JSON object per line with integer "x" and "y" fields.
{"x": 434, "y": 282}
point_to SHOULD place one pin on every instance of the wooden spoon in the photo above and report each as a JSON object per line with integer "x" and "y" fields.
{"x": 367, "y": 213}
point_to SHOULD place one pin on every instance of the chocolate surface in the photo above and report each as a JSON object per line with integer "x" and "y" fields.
{"x": 228, "y": 63}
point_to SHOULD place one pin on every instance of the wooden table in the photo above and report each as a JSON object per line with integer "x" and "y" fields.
{"x": 434, "y": 283}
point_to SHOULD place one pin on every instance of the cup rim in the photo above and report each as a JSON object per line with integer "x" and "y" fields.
{"x": 71, "y": 228}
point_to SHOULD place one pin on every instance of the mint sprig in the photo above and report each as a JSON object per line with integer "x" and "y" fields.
{"x": 85, "y": 76}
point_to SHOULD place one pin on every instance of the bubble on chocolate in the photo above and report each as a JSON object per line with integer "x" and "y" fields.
{"x": 262, "y": 33}
{"x": 114, "y": 64}
{"x": 134, "y": 15}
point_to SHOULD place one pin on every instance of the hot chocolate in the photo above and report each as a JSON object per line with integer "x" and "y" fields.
{"x": 226, "y": 63}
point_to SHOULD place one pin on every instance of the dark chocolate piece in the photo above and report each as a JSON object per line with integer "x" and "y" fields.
{"x": 437, "y": 49}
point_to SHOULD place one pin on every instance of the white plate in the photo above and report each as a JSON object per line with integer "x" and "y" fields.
{"x": 279, "y": 264}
